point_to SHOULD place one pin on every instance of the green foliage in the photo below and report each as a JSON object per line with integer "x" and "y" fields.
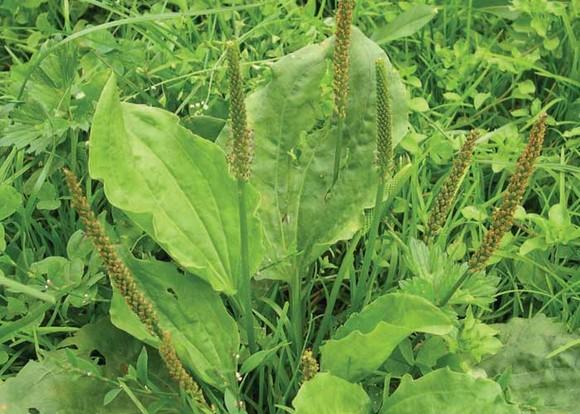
{"x": 327, "y": 394}
{"x": 406, "y": 24}
{"x": 73, "y": 380}
{"x": 11, "y": 200}
{"x": 447, "y": 391}
{"x": 165, "y": 197}
{"x": 57, "y": 389}
{"x": 367, "y": 338}
{"x": 539, "y": 363}
{"x": 164, "y": 177}
{"x": 205, "y": 337}
{"x": 434, "y": 274}
{"x": 291, "y": 117}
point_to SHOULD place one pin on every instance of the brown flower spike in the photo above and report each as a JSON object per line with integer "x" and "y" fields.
{"x": 341, "y": 55}
{"x": 503, "y": 217}
{"x": 445, "y": 198}
{"x": 122, "y": 278}
{"x": 176, "y": 369}
{"x": 118, "y": 272}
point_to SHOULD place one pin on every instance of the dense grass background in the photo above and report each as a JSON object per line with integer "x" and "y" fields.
{"x": 492, "y": 65}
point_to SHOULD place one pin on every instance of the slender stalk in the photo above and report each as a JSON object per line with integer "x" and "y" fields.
{"x": 384, "y": 161}
{"x": 123, "y": 279}
{"x": 454, "y": 288}
{"x": 370, "y": 245}
{"x": 344, "y": 267}
{"x": 240, "y": 160}
{"x": 296, "y": 311}
{"x": 338, "y": 149}
{"x": 502, "y": 218}
{"x": 341, "y": 75}
{"x": 245, "y": 288}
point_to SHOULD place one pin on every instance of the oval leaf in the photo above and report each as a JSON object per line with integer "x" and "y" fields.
{"x": 406, "y": 24}
{"x": 444, "y": 391}
{"x": 175, "y": 185}
{"x": 205, "y": 336}
{"x": 11, "y": 200}
{"x": 327, "y": 394}
{"x": 544, "y": 369}
{"x": 295, "y": 134}
{"x": 368, "y": 338}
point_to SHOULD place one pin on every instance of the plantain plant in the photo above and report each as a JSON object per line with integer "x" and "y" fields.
{"x": 289, "y": 176}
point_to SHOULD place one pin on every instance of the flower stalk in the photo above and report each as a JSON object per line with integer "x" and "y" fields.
{"x": 502, "y": 218}
{"x": 384, "y": 162}
{"x": 122, "y": 278}
{"x": 448, "y": 193}
{"x": 240, "y": 161}
{"x": 341, "y": 74}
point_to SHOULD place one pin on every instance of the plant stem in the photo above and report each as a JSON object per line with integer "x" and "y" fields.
{"x": 296, "y": 310}
{"x": 370, "y": 246}
{"x": 338, "y": 150}
{"x": 344, "y": 267}
{"x": 454, "y": 288}
{"x": 245, "y": 290}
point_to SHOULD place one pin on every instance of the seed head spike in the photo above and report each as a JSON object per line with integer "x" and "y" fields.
{"x": 122, "y": 278}
{"x": 503, "y": 217}
{"x": 384, "y": 157}
{"x": 341, "y": 55}
{"x": 446, "y": 196}
{"x": 242, "y": 146}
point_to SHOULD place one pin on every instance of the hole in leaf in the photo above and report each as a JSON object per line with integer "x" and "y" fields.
{"x": 98, "y": 357}
{"x": 33, "y": 411}
{"x": 172, "y": 292}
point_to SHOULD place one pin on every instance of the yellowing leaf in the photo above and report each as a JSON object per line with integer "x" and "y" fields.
{"x": 327, "y": 394}
{"x": 418, "y": 105}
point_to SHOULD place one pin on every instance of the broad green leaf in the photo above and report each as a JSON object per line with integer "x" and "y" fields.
{"x": 533, "y": 243}
{"x": 295, "y": 135}
{"x": 59, "y": 384}
{"x": 11, "y": 200}
{"x": 205, "y": 336}
{"x": 49, "y": 387}
{"x": 327, "y": 394}
{"x": 474, "y": 213}
{"x": 175, "y": 185}
{"x": 542, "y": 371}
{"x": 501, "y": 8}
{"x": 445, "y": 391}
{"x": 368, "y": 338}
{"x": 116, "y": 347}
{"x": 559, "y": 215}
{"x": 406, "y": 24}
{"x": 419, "y": 104}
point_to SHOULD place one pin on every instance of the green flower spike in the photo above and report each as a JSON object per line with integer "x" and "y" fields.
{"x": 448, "y": 192}
{"x": 242, "y": 147}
